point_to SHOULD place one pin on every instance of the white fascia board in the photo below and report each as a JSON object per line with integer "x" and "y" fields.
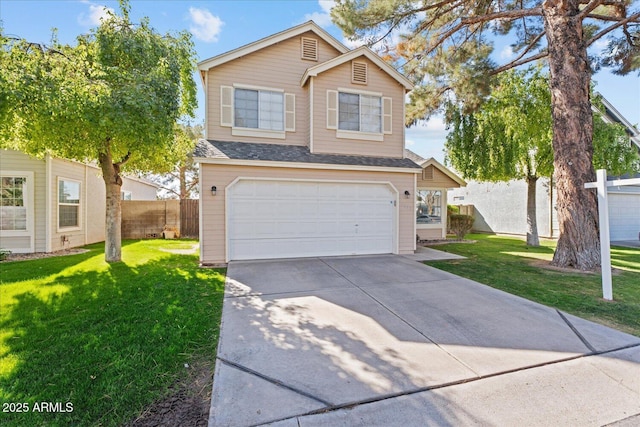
{"x": 361, "y": 51}
{"x": 271, "y": 40}
{"x": 300, "y": 165}
{"x": 433, "y": 162}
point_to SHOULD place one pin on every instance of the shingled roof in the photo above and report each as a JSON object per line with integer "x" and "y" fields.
{"x": 289, "y": 153}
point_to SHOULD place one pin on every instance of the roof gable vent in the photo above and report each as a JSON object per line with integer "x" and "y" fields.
{"x": 309, "y": 49}
{"x": 359, "y": 72}
{"x": 427, "y": 173}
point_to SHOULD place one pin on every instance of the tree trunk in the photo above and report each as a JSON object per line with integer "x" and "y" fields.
{"x": 183, "y": 182}
{"x": 113, "y": 222}
{"x": 570, "y": 75}
{"x": 532, "y": 221}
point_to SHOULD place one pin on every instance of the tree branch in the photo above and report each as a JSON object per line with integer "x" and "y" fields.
{"x": 464, "y": 22}
{"x": 528, "y": 48}
{"x": 517, "y": 63}
{"x": 602, "y": 33}
{"x": 124, "y": 160}
{"x": 589, "y": 8}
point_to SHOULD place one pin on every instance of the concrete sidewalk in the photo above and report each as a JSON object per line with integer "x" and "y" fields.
{"x": 383, "y": 340}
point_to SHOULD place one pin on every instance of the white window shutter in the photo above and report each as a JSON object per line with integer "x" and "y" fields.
{"x": 332, "y": 109}
{"x": 226, "y": 106}
{"x": 290, "y": 112}
{"x": 386, "y": 115}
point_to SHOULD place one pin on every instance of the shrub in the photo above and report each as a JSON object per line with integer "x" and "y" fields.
{"x": 461, "y": 225}
{"x": 4, "y": 253}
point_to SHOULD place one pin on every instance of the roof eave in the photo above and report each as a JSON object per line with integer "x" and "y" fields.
{"x": 215, "y": 61}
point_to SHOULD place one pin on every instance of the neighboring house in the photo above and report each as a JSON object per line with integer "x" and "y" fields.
{"x": 431, "y": 197}
{"x": 501, "y": 207}
{"x": 52, "y": 204}
{"x": 304, "y": 152}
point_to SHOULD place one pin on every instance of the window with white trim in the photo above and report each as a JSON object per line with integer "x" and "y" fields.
{"x": 359, "y": 115}
{"x": 362, "y": 113}
{"x": 259, "y": 109}
{"x": 254, "y": 111}
{"x": 13, "y": 203}
{"x": 125, "y": 195}
{"x": 428, "y": 206}
{"x": 68, "y": 203}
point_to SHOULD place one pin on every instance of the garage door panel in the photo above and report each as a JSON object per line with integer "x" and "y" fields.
{"x": 273, "y": 219}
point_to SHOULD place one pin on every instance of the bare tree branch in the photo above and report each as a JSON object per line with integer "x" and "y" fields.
{"x": 589, "y": 8}
{"x": 517, "y": 63}
{"x": 631, "y": 18}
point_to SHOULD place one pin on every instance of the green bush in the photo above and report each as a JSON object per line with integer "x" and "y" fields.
{"x": 4, "y": 253}
{"x": 461, "y": 224}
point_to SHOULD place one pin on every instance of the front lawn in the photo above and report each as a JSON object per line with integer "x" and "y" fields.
{"x": 510, "y": 265}
{"x": 98, "y": 342}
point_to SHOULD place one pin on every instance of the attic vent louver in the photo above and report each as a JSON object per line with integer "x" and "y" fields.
{"x": 427, "y": 173}
{"x": 309, "y": 49}
{"x": 359, "y": 72}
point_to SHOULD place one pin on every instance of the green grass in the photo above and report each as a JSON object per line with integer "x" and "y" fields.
{"x": 510, "y": 265}
{"x": 109, "y": 338}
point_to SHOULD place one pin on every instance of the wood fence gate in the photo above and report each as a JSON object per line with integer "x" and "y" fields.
{"x": 189, "y": 218}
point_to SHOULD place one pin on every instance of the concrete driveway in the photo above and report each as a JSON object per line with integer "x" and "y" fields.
{"x": 384, "y": 340}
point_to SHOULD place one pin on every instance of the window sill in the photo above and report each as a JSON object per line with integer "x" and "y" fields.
{"x": 67, "y": 229}
{"x": 428, "y": 226}
{"x": 363, "y": 136}
{"x": 258, "y": 133}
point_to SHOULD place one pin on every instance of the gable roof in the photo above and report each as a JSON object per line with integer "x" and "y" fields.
{"x": 614, "y": 115}
{"x": 249, "y": 151}
{"x": 353, "y": 54}
{"x": 271, "y": 40}
{"x": 436, "y": 164}
{"x": 416, "y": 158}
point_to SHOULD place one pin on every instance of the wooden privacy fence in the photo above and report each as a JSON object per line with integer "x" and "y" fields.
{"x": 189, "y": 218}
{"x": 146, "y": 219}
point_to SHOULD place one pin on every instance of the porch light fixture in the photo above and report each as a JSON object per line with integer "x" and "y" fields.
{"x": 406, "y": 194}
{"x": 213, "y": 190}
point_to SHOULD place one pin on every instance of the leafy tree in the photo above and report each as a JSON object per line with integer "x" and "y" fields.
{"x": 446, "y": 45}
{"x": 509, "y": 137}
{"x": 114, "y": 97}
{"x": 182, "y": 181}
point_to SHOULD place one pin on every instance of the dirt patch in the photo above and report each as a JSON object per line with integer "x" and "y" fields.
{"x": 187, "y": 403}
{"x": 547, "y": 266}
{"x": 39, "y": 255}
{"x": 443, "y": 242}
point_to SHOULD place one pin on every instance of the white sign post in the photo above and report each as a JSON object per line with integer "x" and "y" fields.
{"x": 603, "y": 214}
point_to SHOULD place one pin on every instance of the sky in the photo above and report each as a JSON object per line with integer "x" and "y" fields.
{"x": 222, "y": 25}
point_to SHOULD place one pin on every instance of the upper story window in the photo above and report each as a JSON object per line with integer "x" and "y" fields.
{"x": 259, "y": 109}
{"x": 13, "y": 203}
{"x": 68, "y": 203}
{"x": 359, "y": 115}
{"x": 260, "y": 112}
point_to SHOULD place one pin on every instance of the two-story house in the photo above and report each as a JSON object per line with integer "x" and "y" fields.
{"x": 304, "y": 152}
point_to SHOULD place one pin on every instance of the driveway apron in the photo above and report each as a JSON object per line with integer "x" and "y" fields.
{"x": 384, "y": 340}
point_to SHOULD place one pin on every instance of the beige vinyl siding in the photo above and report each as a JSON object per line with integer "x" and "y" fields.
{"x": 67, "y": 170}
{"x": 11, "y": 160}
{"x": 325, "y": 141}
{"x": 94, "y": 204}
{"x": 213, "y": 207}
{"x": 440, "y": 180}
{"x": 431, "y": 233}
{"x": 279, "y": 67}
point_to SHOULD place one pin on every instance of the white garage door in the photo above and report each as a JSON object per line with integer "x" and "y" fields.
{"x": 285, "y": 219}
{"x": 624, "y": 216}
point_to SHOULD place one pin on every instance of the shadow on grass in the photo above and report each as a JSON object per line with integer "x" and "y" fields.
{"x": 508, "y": 264}
{"x": 109, "y": 341}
